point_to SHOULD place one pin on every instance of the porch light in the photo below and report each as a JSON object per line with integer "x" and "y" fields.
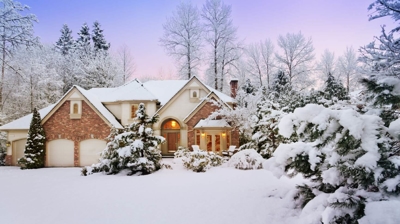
{"x": 8, "y": 143}
{"x": 203, "y": 134}
{"x": 223, "y": 134}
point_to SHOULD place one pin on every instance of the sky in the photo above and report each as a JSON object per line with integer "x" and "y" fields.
{"x": 332, "y": 24}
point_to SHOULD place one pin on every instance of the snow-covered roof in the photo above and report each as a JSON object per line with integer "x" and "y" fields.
{"x": 100, "y": 107}
{"x": 164, "y": 90}
{"x": 23, "y": 123}
{"x": 212, "y": 124}
{"x": 133, "y": 90}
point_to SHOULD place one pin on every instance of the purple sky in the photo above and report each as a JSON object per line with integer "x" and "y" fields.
{"x": 332, "y": 24}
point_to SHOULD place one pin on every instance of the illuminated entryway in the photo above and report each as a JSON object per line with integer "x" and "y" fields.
{"x": 171, "y": 131}
{"x": 213, "y": 135}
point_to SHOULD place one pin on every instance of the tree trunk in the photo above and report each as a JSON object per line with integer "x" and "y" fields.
{"x": 3, "y": 64}
{"x": 215, "y": 67}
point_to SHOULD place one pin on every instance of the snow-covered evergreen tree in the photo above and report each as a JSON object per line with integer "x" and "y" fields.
{"x": 34, "y": 154}
{"x": 135, "y": 149}
{"x": 83, "y": 43}
{"x": 65, "y": 43}
{"x": 334, "y": 90}
{"x": 99, "y": 42}
{"x": 347, "y": 156}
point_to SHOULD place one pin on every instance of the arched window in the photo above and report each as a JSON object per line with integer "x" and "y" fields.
{"x": 194, "y": 95}
{"x": 171, "y": 124}
{"x": 75, "y": 108}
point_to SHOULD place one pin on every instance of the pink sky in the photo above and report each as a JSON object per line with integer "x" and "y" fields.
{"x": 332, "y": 24}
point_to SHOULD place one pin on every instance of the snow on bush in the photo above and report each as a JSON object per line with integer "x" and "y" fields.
{"x": 247, "y": 159}
{"x": 347, "y": 156}
{"x": 198, "y": 160}
{"x": 135, "y": 149}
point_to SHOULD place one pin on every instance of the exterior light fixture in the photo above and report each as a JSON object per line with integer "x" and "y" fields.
{"x": 8, "y": 143}
{"x": 223, "y": 134}
{"x": 203, "y": 134}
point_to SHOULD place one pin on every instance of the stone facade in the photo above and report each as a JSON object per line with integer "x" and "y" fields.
{"x": 89, "y": 126}
{"x": 203, "y": 113}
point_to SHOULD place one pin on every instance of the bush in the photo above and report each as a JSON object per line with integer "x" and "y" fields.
{"x": 247, "y": 159}
{"x": 198, "y": 160}
{"x": 134, "y": 149}
{"x": 2, "y": 157}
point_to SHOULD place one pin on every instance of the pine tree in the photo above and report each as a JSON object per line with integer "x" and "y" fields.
{"x": 334, "y": 90}
{"x": 34, "y": 154}
{"x": 135, "y": 149}
{"x": 347, "y": 156}
{"x": 99, "y": 42}
{"x": 83, "y": 41}
{"x": 65, "y": 43}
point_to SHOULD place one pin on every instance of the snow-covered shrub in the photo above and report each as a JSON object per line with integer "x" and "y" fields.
{"x": 2, "y": 157}
{"x": 200, "y": 161}
{"x": 135, "y": 149}
{"x": 347, "y": 156}
{"x": 181, "y": 152}
{"x": 215, "y": 160}
{"x": 247, "y": 159}
{"x": 34, "y": 154}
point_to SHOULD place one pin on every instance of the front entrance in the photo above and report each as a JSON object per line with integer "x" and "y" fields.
{"x": 171, "y": 131}
{"x": 172, "y": 141}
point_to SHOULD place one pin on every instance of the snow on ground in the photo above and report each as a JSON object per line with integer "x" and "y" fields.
{"x": 221, "y": 195}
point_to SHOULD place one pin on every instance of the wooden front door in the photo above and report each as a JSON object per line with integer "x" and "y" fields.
{"x": 172, "y": 140}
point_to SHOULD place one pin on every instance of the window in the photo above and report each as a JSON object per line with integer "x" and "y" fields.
{"x": 197, "y": 137}
{"x": 194, "y": 94}
{"x": 171, "y": 124}
{"x": 75, "y": 109}
{"x": 133, "y": 111}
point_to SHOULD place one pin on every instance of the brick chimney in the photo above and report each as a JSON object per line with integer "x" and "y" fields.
{"x": 234, "y": 87}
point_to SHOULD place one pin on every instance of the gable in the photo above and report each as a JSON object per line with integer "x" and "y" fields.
{"x": 78, "y": 95}
{"x": 183, "y": 102}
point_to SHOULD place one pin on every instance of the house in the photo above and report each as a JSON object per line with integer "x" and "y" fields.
{"x": 77, "y": 125}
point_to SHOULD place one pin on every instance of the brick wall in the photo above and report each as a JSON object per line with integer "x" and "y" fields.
{"x": 203, "y": 113}
{"x": 60, "y": 126}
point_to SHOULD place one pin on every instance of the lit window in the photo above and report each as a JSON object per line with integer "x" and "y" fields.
{"x": 133, "y": 111}
{"x": 171, "y": 124}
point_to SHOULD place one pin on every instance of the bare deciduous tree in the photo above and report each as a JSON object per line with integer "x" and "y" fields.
{"x": 127, "y": 64}
{"x": 327, "y": 63}
{"x": 221, "y": 37}
{"x": 261, "y": 61}
{"x": 296, "y": 56}
{"x": 348, "y": 66}
{"x": 16, "y": 29}
{"x": 182, "y": 38}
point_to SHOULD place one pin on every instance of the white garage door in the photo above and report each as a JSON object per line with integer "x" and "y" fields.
{"x": 90, "y": 150}
{"x": 60, "y": 153}
{"x": 18, "y": 150}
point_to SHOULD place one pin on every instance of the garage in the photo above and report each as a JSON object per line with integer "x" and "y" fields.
{"x": 60, "y": 153}
{"x": 89, "y": 151}
{"x": 18, "y": 148}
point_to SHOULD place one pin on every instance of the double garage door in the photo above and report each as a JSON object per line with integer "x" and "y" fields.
{"x": 60, "y": 152}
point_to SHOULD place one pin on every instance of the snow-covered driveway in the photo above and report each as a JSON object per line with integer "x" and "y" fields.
{"x": 221, "y": 195}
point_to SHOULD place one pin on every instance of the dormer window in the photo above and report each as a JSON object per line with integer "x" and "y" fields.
{"x": 76, "y": 109}
{"x": 194, "y": 94}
